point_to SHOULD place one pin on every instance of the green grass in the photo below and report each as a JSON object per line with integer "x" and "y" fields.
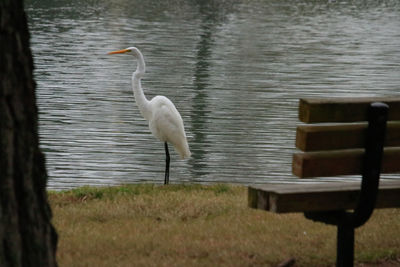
{"x": 197, "y": 225}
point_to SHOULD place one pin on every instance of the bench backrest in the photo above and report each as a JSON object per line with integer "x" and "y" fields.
{"x": 333, "y": 138}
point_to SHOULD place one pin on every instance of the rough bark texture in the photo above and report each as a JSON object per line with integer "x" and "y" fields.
{"x": 27, "y": 237}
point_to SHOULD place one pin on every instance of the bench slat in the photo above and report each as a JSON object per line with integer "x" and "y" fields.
{"x": 343, "y": 109}
{"x": 340, "y": 162}
{"x": 342, "y": 136}
{"x": 319, "y": 197}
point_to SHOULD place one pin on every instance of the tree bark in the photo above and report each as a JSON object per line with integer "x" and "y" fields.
{"x": 27, "y": 237}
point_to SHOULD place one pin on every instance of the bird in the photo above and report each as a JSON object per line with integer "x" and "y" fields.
{"x": 164, "y": 120}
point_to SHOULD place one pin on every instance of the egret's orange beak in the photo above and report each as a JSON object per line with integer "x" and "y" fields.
{"x": 119, "y": 51}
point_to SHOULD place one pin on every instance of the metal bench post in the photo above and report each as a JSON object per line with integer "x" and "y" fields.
{"x": 345, "y": 245}
{"x": 346, "y": 221}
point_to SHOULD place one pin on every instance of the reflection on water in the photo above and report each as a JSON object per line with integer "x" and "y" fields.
{"x": 200, "y": 86}
{"x": 234, "y": 69}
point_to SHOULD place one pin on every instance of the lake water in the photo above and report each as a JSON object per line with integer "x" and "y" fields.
{"x": 234, "y": 69}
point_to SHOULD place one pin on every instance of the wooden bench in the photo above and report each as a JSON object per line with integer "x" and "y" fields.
{"x": 340, "y": 137}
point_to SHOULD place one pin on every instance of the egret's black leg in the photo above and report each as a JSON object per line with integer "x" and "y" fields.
{"x": 166, "y": 181}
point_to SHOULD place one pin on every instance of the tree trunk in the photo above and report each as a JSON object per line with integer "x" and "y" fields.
{"x": 27, "y": 237}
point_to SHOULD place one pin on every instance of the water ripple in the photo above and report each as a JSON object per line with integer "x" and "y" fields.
{"x": 234, "y": 69}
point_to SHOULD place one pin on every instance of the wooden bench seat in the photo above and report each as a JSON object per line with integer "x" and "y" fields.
{"x": 340, "y": 136}
{"x": 301, "y": 197}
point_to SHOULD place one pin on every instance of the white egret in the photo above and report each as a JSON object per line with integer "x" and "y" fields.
{"x": 165, "y": 122}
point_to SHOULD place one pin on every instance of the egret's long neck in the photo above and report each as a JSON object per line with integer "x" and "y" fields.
{"x": 140, "y": 98}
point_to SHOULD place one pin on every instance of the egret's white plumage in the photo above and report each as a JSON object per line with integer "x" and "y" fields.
{"x": 165, "y": 122}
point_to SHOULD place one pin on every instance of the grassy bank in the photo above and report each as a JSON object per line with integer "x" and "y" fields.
{"x": 194, "y": 225}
